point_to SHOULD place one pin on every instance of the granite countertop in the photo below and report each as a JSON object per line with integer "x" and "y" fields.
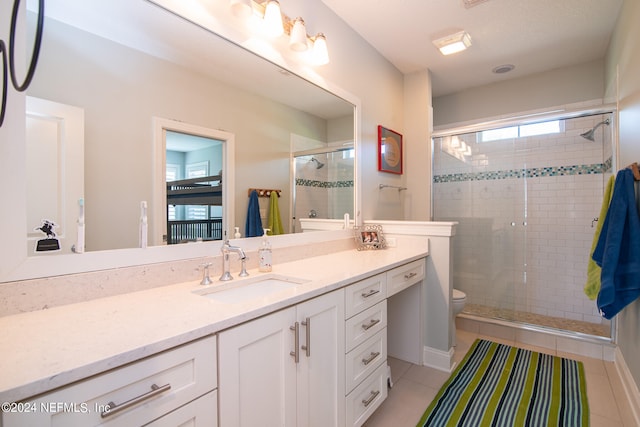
{"x": 47, "y": 349}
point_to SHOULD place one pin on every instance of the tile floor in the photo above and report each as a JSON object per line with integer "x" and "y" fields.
{"x": 415, "y": 386}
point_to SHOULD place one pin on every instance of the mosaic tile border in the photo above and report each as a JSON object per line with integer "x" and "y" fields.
{"x": 592, "y": 169}
{"x": 323, "y": 184}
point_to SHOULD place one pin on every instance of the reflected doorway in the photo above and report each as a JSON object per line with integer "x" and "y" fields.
{"x": 192, "y": 189}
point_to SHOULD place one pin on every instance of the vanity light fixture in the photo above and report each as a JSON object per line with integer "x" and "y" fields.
{"x": 273, "y": 19}
{"x": 298, "y": 37}
{"x": 276, "y": 23}
{"x": 320, "y": 51}
{"x": 242, "y": 8}
{"x": 453, "y": 43}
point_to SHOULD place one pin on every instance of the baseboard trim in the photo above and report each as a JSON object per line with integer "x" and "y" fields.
{"x": 438, "y": 359}
{"x": 629, "y": 384}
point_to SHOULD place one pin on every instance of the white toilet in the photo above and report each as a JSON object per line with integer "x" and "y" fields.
{"x": 457, "y": 305}
{"x": 459, "y": 300}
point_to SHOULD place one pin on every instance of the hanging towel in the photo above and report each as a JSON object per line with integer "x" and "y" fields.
{"x": 275, "y": 223}
{"x": 253, "y": 227}
{"x": 618, "y": 249}
{"x": 592, "y": 287}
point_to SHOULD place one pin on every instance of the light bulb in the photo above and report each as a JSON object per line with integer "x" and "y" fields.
{"x": 298, "y": 39}
{"x": 320, "y": 52}
{"x": 273, "y": 19}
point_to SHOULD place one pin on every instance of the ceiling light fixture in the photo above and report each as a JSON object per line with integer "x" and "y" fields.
{"x": 298, "y": 36}
{"x": 273, "y": 19}
{"x": 453, "y": 43}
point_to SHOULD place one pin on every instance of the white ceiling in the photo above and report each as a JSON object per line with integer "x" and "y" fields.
{"x": 533, "y": 35}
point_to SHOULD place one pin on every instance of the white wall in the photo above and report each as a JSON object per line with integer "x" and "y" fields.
{"x": 623, "y": 84}
{"x": 13, "y": 223}
{"x": 549, "y": 89}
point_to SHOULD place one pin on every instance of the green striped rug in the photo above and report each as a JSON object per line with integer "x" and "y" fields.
{"x": 500, "y": 385}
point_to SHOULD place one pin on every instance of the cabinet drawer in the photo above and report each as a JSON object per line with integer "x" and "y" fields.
{"x": 404, "y": 276}
{"x": 146, "y": 390}
{"x": 364, "y": 325}
{"x": 367, "y": 397}
{"x": 364, "y": 294}
{"x": 202, "y": 412}
{"x": 365, "y": 358}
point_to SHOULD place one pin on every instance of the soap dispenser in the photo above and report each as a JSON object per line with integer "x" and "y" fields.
{"x": 264, "y": 253}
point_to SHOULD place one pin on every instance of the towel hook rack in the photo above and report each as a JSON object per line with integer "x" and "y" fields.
{"x": 264, "y": 192}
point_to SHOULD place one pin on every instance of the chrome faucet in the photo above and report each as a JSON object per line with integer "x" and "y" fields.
{"x": 226, "y": 250}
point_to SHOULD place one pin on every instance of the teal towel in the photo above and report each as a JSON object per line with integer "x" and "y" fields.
{"x": 618, "y": 249}
{"x": 253, "y": 226}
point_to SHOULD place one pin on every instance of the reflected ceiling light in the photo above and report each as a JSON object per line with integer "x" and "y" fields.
{"x": 273, "y": 19}
{"x": 453, "y": 43}
{"x": 320, "y": 51}
{"x": 241, "y": 8}
{"x": 298, "y": 37}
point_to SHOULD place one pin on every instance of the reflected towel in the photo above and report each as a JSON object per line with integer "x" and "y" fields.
{"x": 592, "y": 287}
{"x": 618, "y": 249}
{"x": 253, "y": 226}
{"x": 275, "y": 223}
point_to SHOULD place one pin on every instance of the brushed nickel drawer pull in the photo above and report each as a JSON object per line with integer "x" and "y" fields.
{"x": 371, "y": 398}
{"x": 370, "y": 293}
{"x": 371, "y": 357}
{"x": 113, "y": 408}
{"x": 371, "y": 324}
{"x": 410, "y": 275}
{"x": 307, "y": 347}
{"x": 296, "y": 341}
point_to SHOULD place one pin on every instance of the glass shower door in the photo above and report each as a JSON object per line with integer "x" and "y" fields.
{"x": 526, "y": 198}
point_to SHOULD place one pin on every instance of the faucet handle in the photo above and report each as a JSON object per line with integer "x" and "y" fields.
{"x": 243, "y": 271}
{"x": 206, "y": 280}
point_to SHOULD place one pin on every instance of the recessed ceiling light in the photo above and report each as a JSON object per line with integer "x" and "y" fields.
{"x": 501, "y": 69}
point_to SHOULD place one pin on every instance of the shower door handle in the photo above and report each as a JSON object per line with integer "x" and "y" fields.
{"x": 513, "y": 223}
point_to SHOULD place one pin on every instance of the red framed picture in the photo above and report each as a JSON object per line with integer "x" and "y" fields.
{"x": 389, "y": 151}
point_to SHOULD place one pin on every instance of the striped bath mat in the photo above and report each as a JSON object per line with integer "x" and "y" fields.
{"x": 500, "y": 385}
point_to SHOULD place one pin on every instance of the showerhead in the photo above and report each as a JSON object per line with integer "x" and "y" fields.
{"x": 589, "y": 134}
{"x": 319, "y": 164}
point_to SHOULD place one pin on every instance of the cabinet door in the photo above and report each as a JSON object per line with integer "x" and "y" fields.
{"x": 257, "y": 378}
{"x": 321, "y": 379}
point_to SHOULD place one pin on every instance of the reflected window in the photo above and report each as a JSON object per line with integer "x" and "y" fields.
{"x": 534, "y": 129}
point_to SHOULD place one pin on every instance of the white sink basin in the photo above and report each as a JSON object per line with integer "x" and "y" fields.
{"x": 248, "y": 289}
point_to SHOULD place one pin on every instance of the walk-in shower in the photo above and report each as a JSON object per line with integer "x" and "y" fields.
{"x": 527, "y": 197}
{"x": 323, "y": 184}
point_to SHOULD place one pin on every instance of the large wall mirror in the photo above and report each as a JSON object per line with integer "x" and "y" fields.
{"x": 125, "y": 64}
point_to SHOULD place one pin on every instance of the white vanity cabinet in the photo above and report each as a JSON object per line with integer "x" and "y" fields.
{"x": 365, "y": 348}
{"x": 179, "y": 384}
{"x": 286, "y": 368}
